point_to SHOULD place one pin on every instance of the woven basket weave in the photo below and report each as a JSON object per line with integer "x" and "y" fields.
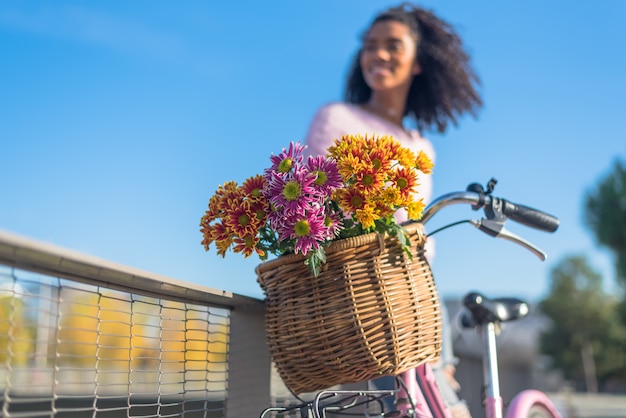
{"x": 372, "y": 311}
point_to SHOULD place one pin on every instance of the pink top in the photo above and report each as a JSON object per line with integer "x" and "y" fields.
{"x": 336, "y": 119}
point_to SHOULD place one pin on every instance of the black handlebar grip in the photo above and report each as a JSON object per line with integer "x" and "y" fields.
{"x": 533, "y": 218}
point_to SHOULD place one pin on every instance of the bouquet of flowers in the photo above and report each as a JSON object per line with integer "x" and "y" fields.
{"x": 301, "y": 205}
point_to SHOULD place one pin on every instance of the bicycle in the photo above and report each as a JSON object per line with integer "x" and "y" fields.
{"x": 416, "y": 393}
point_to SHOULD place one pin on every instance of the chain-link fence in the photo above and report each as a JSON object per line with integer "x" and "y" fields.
{"x": 82, "y": 337}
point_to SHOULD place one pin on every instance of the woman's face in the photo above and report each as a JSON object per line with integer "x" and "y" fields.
{"x": 388, "y": 56}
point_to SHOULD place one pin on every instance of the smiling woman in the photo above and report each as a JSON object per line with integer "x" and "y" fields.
{"x": 411, "y": 66}
{"x": 388, "y": 62}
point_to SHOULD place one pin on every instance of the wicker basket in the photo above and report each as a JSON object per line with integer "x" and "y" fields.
{"x": 372, "y": 311}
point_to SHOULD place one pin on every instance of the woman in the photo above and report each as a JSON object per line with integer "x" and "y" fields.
{"x": 410, "y": 75}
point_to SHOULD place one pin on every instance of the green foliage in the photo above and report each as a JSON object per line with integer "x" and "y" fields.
{"x": 17, "y": 332}
{"x": 315, "y": 260}
{"x": 582, "y": 313}
{"x": 605, "y": 215}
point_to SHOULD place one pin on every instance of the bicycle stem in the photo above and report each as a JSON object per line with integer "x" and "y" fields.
{"x": 493, "y": 400}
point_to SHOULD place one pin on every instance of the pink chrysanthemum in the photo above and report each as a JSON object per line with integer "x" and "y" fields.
{"x": 284, "y": 161}
{"x": 292, "y": 192}
{"x": 327, "y": 177}
{"x": 308, "y": 230}
{"x": 276, "y": 219}
{"x": 333, "y": 223}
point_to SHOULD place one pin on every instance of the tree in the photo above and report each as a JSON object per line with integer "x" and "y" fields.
{"x": 16, "y": 331}
{"x": 111, "y": 331}
{"x": 192, "y": 339}
{"x": 605, "y": 215}
{"x": 586, "y": 332}
{"x": 103, "y": 330}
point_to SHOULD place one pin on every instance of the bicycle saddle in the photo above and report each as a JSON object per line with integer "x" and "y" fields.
{"x": 481, "y": 310}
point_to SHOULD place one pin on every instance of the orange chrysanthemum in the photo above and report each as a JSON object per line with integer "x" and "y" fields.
{"x": 380, "y": 159}
{"x": 245, "y": 245}
{"x": 350, "y": 200}
{"x": 405, "y": 180}
{"x": 220, "y": 232}
{"x": 369, "y": 181}
{"x": 242, "y": 221}
{"x": 223, "y": 246}
{"x": 253, "y": 188}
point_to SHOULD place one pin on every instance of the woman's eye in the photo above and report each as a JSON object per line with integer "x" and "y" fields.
{"x": 369, "y": 47}
{"x": 391, "y": 47}
{"x": 396, "y": 47}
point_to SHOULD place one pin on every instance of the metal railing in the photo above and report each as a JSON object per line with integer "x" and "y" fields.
{"x": 84, "y": 335}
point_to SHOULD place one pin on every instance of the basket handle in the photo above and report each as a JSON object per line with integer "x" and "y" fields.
{"x": 381, "y": 244}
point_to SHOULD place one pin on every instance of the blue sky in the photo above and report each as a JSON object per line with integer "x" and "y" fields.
{"x": 119, "y": 119}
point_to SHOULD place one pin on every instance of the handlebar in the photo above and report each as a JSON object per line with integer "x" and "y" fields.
{"x": 497, "y": 211}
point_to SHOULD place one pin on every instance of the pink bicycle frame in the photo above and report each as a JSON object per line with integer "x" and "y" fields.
{"x": 522, "y": 403}
{"x": 420, "y": 395}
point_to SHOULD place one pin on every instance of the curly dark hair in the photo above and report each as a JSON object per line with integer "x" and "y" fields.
{"x": 446, "y": 85}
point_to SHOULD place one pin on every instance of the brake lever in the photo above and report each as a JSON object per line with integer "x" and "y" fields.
{"x": 496, "y": 229}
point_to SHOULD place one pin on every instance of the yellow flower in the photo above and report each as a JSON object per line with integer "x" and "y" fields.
{"x": 424, "y": 163}
{"x": 406, "y": 157}
{"x": 391, "y": 197}
{"x": 349, "y": 165}
{"x": 383, "y": 208}
{"x": 415, "y": 209}
{"x": 366, "y": 216}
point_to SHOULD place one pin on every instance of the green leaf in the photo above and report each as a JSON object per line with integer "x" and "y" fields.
{"x": 315, "y": 260}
